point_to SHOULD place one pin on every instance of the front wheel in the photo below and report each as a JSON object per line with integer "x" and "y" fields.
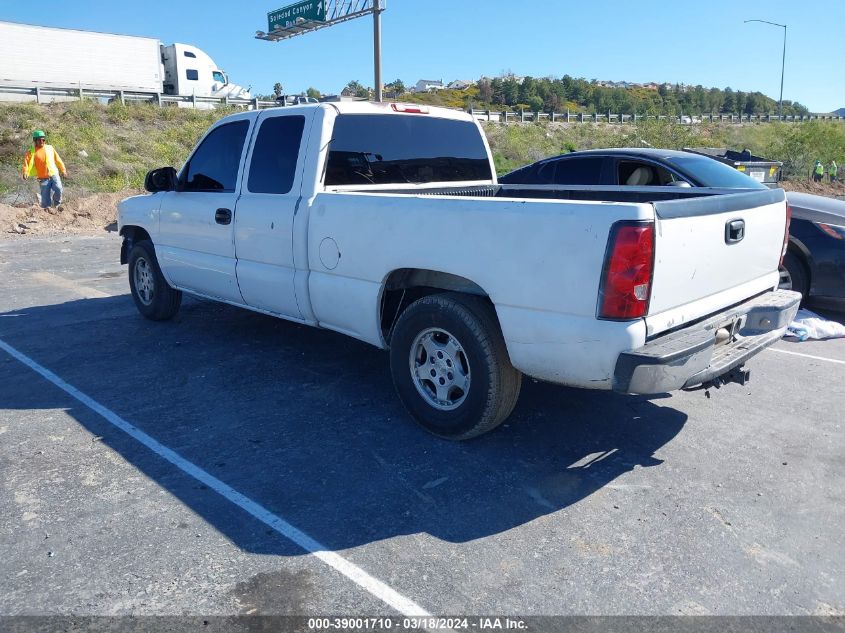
{"x": 451, "y": 368}
{"x": 153, "y": 297}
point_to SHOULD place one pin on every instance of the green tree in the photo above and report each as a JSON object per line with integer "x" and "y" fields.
{"x": 277, "y": 89}
{"x": 313, "y": 92}
{"x": 510, "y": 88}
{"x": 485, "y": 90}
{"x": 357, "y": 89}
{"x": 535, "y": 103}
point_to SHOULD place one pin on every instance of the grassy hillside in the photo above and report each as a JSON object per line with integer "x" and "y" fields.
{"x": 105, "y": 148}
{"x": 110, "y": 148}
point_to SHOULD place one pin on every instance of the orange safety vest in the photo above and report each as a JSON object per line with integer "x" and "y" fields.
{"x": 42, "y": 163}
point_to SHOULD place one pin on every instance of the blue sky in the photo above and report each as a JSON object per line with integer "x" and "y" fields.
{"x": 648, "y": 40}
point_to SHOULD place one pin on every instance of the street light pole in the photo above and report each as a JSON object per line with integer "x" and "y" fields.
{"x": 377, "y": 47}
{"x": 783, "y": 63}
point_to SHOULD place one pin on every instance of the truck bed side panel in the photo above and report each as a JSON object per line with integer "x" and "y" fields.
{"x": 539, "y": 261}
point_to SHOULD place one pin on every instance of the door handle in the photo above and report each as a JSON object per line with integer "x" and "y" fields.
{"x": 223, "y": 216}
{"x": 734, "y": 231}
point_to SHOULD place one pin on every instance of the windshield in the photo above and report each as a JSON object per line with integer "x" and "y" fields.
{"x": 218, "y": 76}
{"x": 711, "y": 173}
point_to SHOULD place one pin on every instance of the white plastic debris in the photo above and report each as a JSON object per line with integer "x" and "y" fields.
{"x": 809, "y": 325}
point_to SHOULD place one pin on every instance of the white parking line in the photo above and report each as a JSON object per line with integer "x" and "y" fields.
{"x": 829, "y": 360}
{"x": 374, "y": 586}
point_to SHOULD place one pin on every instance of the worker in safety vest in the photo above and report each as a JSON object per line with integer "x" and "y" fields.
{"x": 832, "y": 170}
{"x": 818, "y": 171}
{"x": 43, "y": 162}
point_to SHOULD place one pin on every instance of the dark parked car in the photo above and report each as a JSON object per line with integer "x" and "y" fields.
{"x": 633, "y": 167}
{"x": 814, "y": 264}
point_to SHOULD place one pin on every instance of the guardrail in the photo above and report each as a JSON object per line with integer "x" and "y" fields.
{"x": 45, "y": 94}
{"x": 582, "y": 117}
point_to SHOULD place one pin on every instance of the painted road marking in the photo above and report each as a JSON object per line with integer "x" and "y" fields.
{"x": 829, "y": 360}
{"x": 377, "y": 588}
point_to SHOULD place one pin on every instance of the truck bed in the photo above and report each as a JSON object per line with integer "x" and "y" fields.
{"x": 592, "y": 193}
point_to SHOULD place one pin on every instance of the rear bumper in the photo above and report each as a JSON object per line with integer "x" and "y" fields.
{"x": 690, "y": 356}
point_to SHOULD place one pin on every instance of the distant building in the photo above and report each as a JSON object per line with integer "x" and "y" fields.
{"x": 341, "y": 97}
{"x": 459, "y": 84}
{"x": 428, "y": 85}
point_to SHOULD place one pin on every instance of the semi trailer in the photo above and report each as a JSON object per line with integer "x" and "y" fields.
{"x": 94, "y": 61}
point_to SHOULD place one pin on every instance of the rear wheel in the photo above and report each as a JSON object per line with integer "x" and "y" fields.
{"x": 451, "y": 368}
{"x": 793, "y": 275}
{"x": 153, "y": 297}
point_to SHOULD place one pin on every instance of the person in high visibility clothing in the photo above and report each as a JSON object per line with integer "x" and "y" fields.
{"x": 818, "y": 171}
{"x": 832, "y": 170}
{"x": 42, "y": 161}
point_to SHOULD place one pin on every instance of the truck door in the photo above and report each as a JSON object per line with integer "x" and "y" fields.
{"x": 196, "y": 246}
{"x": 264, "y": 219}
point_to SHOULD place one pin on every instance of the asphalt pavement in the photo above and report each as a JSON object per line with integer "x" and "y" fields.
{"x": 230, "y": 463}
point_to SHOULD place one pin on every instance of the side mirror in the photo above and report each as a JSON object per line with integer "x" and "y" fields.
{"x": 161, "y": 179}
{"x": 680, "y": 183}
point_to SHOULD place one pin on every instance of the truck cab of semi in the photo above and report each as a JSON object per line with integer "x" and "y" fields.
{"x": 188, "y": 71}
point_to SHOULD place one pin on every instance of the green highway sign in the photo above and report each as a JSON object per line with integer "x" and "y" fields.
{"x": 292, "y": 14}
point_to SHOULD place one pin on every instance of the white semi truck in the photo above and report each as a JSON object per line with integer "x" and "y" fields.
{"x": 38, "y": 56}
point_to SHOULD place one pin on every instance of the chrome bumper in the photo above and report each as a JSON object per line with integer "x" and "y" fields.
{"x": 701, "y": 353}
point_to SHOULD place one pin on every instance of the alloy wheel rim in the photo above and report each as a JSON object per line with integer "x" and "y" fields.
{"x": 144, "y": 281}
{"x": 439, "y": 369}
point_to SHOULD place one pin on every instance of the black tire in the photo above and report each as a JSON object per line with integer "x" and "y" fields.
{"x": 797, "y": 272}
{"x": 154, "y": 298}
{"x": 478, "y": 353}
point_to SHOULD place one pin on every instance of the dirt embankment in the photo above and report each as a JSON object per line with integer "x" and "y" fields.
{"x": 829, "y": 189}
{"x": 91, "y": 214}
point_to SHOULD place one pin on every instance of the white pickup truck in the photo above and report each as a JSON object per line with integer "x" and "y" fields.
{"x": 385, "y": 222}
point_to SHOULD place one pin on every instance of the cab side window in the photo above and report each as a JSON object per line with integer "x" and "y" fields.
{"x": 273, "y": 165}
{"x": 214, "y": 166}
{"x": 638, "y": 174}
{"x": 579, "y": 171}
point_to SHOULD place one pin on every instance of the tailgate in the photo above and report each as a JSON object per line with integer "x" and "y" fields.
{"x": 712, "y": 252}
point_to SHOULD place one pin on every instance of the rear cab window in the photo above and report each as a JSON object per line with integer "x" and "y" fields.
{"x": 376, "y": 149}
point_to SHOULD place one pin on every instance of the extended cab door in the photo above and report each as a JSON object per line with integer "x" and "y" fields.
{"x": 266, "y": 209}
{"x": 196, "y": 246}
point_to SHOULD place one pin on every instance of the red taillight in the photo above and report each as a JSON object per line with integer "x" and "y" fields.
{"x": 626, "y": 278}
{"x": 786, "y": 234}
{"x": 409, "y": 109}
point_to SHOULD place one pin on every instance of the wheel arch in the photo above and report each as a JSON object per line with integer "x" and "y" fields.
{"x": 403, "y": 286}
{"x": 131, "y": 235}
{"x": 804, "y": 257}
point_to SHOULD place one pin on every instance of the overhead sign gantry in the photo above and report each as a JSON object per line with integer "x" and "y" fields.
{"x": 310, "y": 15}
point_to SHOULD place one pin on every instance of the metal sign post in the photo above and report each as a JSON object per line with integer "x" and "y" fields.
{"x": 310, "y": 15}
